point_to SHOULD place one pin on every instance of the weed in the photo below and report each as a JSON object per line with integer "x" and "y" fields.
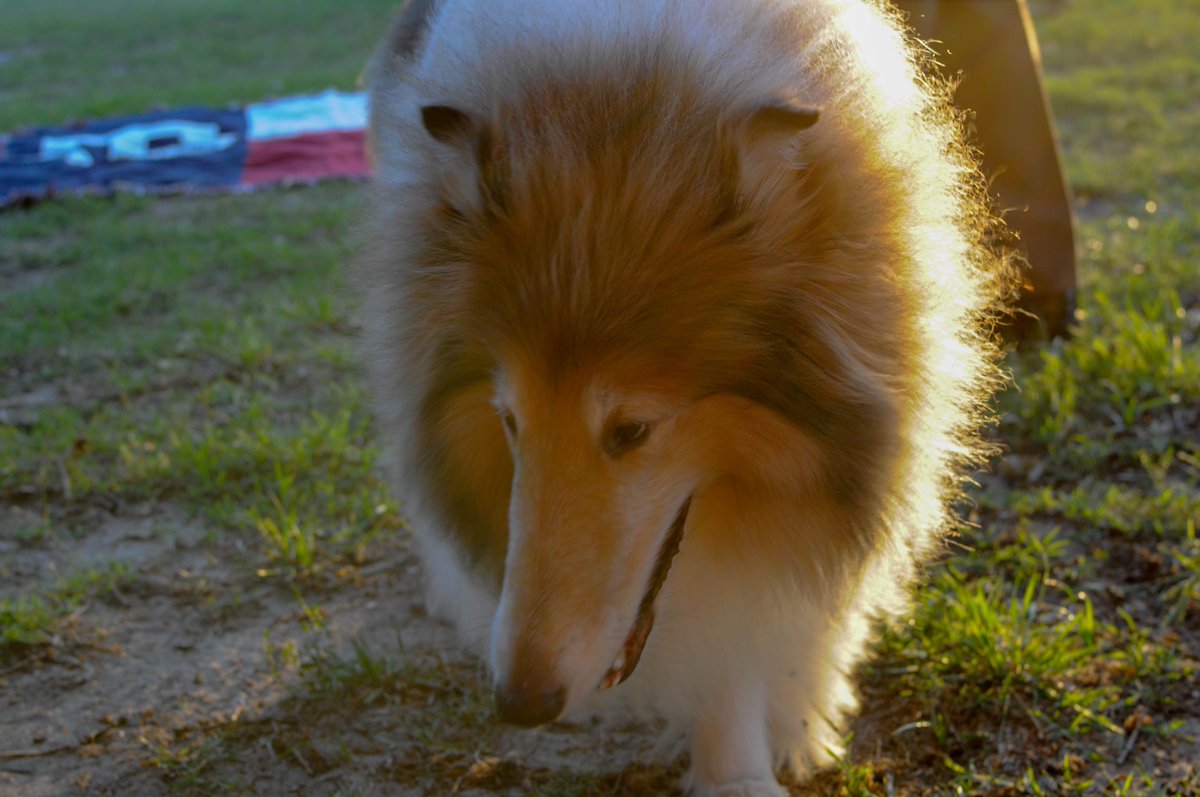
{"x": 1184, "y": 592}
{"x": 191, "y": 767}
{"x": 32, "y": 619}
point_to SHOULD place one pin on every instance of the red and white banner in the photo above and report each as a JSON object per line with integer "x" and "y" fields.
{"x": 296, "y": 139}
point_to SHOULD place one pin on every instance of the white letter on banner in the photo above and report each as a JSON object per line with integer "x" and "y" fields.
{"x": 178, "y": 139}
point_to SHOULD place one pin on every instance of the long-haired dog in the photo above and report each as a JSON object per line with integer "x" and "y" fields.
{"x": 675, "y": 321}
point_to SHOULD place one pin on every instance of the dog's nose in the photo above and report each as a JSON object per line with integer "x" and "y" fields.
{"x": 528, "y": 706}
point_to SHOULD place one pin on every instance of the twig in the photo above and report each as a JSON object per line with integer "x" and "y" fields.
{"x": 1130, "y": 741}
{"x": 25, "y": 662}
{"x": 375, "y": 568}
{"x": 295, "y": 751}
{"x": 65, "y": 478}
{"x": 912, "y": 726}
{"x": 119, "y": 597}
{"x": 13, "y": 755}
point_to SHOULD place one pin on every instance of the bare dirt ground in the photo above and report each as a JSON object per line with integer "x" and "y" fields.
{"x": 188, "y": 678}
{"x": 195, "y": 643}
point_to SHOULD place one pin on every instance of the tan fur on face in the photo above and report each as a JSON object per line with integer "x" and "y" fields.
{"x": 583, "y": 523}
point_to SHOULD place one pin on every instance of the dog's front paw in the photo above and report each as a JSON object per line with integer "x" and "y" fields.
{"x": 742, "y": 788}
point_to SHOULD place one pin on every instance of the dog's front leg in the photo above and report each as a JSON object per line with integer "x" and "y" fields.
{"x": 731, "y": 749}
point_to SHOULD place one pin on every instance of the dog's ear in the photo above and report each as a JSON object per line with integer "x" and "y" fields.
{"x": 783, "y": 117}
{"x": 448, "y": 125}
{"x": 463, "y": 144}
{"x": 768, "y": 138}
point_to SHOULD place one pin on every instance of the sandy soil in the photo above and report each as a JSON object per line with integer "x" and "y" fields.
{"x": 186, "y": 647}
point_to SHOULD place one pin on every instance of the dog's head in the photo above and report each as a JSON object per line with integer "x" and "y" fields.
{"x": 634, "y": 283}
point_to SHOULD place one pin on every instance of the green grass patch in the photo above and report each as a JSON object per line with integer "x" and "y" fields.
{"x": 32, "y": 619}
{"x": 210, "y": 376}
{"x": 193, "y": 768}
{"x": 999, "y": 647}
{"x": 1123, "y": 82}
{"x": 304, "y": 484}
{"x": 160, "y": 287}
{"x": 66, "y": 60}
{"x": 1165, "y": 512}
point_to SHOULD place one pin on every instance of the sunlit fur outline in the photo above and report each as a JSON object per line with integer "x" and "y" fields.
{"x": 900, "y": 310}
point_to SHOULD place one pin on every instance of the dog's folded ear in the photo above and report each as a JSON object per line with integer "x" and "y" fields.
{"x": 784, "y": 117}
{"x": 768, "y": 141}
{"x": 448, "y": 125}
{"x": 463, "y": 144}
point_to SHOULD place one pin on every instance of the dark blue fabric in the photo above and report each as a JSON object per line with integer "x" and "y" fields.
{"x": 197, "y": 147}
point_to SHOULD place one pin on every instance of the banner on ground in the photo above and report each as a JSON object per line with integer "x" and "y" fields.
{"x": 293, "y": 140}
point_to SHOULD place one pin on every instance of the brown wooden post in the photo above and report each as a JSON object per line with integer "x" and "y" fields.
{"x": 991, "y": 47}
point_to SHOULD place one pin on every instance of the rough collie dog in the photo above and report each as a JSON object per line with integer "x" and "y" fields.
{"x": 674, "y": 319}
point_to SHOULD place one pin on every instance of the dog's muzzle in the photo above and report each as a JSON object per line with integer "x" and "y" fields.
{"x": 528, "y": 703}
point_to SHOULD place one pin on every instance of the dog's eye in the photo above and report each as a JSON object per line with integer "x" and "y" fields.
{"x": 626, "y": 436}
{"x": 509, "y": 421}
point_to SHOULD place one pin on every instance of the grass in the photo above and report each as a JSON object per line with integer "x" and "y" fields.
{"x": 205, "y": 378}
{"x": 31, "y": 619}
{"x": 71, "y": 61}
{"x": 1123, "y": 86}
{"x": 198, "y": 352}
